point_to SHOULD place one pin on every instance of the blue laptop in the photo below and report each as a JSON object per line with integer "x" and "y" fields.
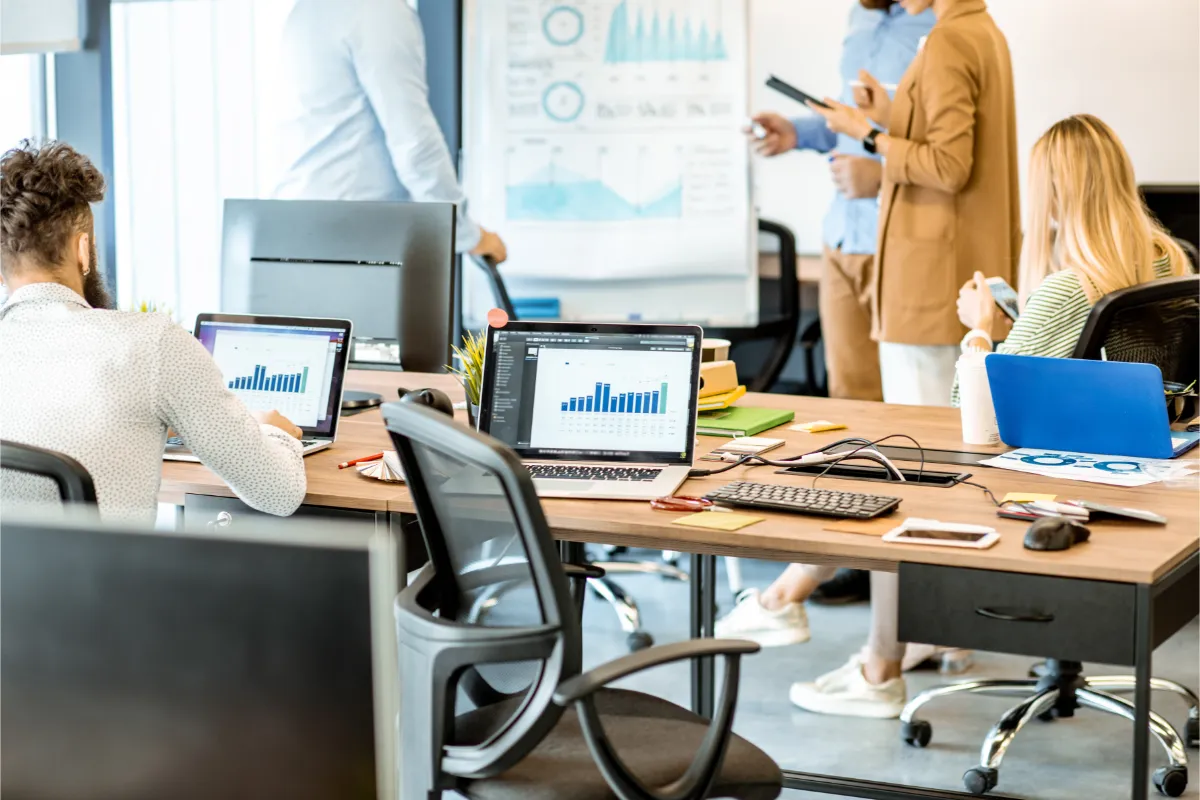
{"x": 1106, "y": 407}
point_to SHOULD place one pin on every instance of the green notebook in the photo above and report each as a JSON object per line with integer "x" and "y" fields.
{"x": 741, "y": 421}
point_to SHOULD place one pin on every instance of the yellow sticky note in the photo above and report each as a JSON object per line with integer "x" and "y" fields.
{"x": 1026, "y": 497}
{"x": 820, "y": 426}
{"x": 717, "y": 521}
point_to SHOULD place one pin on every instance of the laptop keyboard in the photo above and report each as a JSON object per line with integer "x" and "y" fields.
{"x": 586, "y": 472}
{"x": 175, "y": 441}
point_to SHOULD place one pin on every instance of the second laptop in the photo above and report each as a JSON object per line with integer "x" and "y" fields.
{"x": 595, "y": 410}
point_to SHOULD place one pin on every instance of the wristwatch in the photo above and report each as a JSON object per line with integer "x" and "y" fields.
{"x": 869, "y": 140}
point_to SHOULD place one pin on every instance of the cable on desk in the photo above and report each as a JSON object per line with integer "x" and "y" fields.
{"x": 986, "y": 491}
{"x": 865, "y": 444}
{"x": 826, "y": 455}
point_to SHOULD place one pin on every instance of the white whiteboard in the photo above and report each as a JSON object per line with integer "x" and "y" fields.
{"x": 1133, "y": 64}
{"x": 603, "y": 142}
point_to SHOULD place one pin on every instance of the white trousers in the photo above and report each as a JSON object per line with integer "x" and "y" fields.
{"x": 917, "y": 374}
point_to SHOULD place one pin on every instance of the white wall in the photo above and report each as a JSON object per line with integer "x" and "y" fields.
{"x": 1134, "y": 64}
{"x": 194, "y": 123}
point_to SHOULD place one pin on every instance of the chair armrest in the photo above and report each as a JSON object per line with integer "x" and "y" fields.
{"x": 582, "y": 570}
{"x": 574, "y": 689}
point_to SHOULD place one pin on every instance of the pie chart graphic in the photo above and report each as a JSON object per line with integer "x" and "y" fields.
{"x": 563, "y": 26}
{"x": 563, "y": 101}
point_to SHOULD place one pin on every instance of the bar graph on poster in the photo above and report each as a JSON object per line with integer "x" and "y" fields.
{"x": 603, "y": 137}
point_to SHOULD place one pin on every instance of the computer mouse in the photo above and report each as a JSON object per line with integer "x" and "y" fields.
{"x": 433, "y": 398}
{"x": 1055, "y": 533}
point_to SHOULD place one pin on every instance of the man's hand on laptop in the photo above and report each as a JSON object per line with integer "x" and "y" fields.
{"x": 275, "y": 419}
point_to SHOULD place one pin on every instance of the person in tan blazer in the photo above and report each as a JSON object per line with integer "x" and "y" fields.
{"x": 949, "y": 203}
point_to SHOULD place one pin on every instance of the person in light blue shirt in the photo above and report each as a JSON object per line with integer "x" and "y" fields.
{"x": 356, "y": 118}
{"x": 881, "y": 39}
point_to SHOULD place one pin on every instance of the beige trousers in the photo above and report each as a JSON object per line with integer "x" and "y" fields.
{"x": 844, "y": 300}
{"x": 884, "y": 640}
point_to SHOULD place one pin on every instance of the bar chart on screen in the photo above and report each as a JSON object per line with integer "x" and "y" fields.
{"x": 288, "y": 373}
{"x": 611, "y": 400}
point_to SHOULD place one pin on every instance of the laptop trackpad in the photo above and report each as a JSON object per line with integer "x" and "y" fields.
{"x": 558, "y": 486}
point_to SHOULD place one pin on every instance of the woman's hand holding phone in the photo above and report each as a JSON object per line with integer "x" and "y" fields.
{"x": 977, "y": 309}
{"x": 873, "y": 99}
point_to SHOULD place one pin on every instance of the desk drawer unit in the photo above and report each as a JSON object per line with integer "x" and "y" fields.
{"x": 226, "y": 511}
{"x": 1033, "y": 615}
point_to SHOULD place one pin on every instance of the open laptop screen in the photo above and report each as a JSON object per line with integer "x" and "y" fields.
{"x": 621, "y": 393}
{"x": 291, "y": 365}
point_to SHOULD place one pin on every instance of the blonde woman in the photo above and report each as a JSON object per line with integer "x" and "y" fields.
{"x": 1089, "y": 234}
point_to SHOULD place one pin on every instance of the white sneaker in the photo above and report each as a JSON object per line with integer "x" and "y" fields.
{"x": 846, "y": 693}
{"x": 750, "y": 620}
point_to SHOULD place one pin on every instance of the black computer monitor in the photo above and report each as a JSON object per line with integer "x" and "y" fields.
{"x": 1177, "y": 207}
{"x": 388, "y": 267}
{"x": 147, "y": 665}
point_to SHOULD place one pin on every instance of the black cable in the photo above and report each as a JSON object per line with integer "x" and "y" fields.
{"x": 787, "y": 463}
{"x": 986, "y": 491}
{"x": 865, "y": 444}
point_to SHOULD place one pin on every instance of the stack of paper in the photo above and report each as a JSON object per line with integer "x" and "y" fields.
{"x": 1113, "y": 470}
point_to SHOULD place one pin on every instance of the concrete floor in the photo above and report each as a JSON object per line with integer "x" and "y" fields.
{"x": 1085, "y": 757}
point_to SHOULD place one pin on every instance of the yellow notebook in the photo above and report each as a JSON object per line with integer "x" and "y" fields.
{"x": 718, "y": 401}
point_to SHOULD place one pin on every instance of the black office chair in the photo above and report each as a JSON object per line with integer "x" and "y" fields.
{"x": 501, "y": 708}
{"x": 74, "y": 483}
{"x": 780, "y": 327}
{"x": 491, "y": 271}
{"x": 1155, "y": 323}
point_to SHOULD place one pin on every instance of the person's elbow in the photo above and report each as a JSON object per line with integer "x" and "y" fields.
{"x": 283, "y": 497}
{"x": 951, "y": 173}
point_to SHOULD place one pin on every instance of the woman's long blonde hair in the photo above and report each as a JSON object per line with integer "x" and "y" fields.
{"x": 1086, "y": 215}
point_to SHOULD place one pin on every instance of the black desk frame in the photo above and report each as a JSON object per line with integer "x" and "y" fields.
{"x": 1162, "y": 609}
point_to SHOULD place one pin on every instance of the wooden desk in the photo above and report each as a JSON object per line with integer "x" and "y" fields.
{"x": 1117, "y": 552}
{"x": 1151, "y": 560}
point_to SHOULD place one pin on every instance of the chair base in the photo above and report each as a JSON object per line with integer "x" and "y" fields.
{"x": 622, "y": 603}
{"x": 1058, "y": 690}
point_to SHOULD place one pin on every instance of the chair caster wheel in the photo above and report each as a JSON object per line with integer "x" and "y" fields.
{"x": 917, "y": 733}
{"x": 638, "y": 640}
{"x": 980, "y": 780}
{"x": 1192, "y": 731}
{"x": 1047, "y": 716}
{"x": 1171, "y": 781}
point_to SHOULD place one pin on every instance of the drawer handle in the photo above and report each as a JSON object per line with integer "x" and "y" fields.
{"x": 1012, "y": 615}
{"x": 224, "y": 520}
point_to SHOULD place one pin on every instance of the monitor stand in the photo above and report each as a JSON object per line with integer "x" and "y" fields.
{"x": 360, "y": 401}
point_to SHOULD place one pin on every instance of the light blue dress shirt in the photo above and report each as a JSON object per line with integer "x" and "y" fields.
{"x": 356, "y": 118}
{"x": 883, "y": 43}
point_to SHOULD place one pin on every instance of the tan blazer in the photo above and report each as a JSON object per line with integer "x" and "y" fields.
{"x": 949, "y": 200}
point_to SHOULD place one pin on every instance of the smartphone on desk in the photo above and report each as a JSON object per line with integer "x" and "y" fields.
{"x": 1005, "y": 297}
{"x": 942, "y": 534}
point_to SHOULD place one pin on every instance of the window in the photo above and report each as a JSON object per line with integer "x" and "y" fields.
{"x": 193, "y": 124}
{"x": 22, "y": 98}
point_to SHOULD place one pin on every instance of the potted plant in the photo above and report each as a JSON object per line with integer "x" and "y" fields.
{"x": 470, "y": 371}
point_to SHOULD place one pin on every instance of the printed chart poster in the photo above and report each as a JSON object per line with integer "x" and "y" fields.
{"x": 606, "y": 136}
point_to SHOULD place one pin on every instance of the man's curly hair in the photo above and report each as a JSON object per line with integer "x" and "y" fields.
{"x": 45, "y": 196}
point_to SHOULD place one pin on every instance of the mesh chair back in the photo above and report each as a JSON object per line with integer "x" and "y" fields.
{"x": 491, "y": 622}
{"x": 31, "y": 475}
{"x": 1154, "y": 323}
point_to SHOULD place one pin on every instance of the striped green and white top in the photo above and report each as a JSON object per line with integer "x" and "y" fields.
{"x": 1054, "y": 317}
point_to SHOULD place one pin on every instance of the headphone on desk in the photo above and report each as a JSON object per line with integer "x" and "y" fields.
{"x": 431, "y": 398}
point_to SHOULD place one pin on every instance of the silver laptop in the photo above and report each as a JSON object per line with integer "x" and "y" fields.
{"x": 293, "y": 365}
{"x": 599, "y": 411}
